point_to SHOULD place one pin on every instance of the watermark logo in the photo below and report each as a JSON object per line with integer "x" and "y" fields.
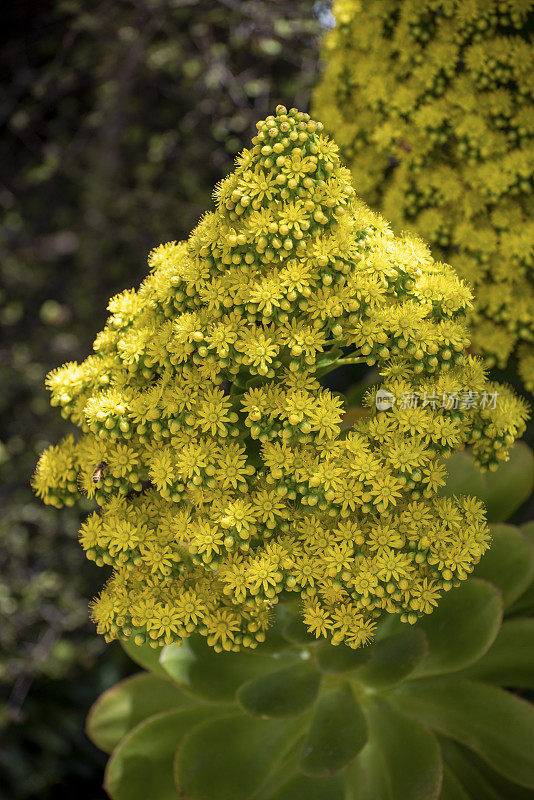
{"x": 384, "y": 400}
{"x": 451, "y": 401}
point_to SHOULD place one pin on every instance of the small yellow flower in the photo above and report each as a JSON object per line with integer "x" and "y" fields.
{"x": 164, "y": 623}
{"x": 317, "y": 619}
{"x": 222, "y": 627}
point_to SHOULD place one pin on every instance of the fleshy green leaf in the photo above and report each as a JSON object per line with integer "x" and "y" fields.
{"x": 463, "y": 477}
{"x": 511, "y": 484}
{"x": 494, "y": 723}
{"x": 337, "y": 732}
{"x": 411, "y": 758}
{"x": 506, "y": 790}
{"x": 229, "y": 758}
{"x": 451, "y": 788}
{"x": 295, "y": 631}
{"x": 392, "y": 659}
{"x": 301, "y": 787}
{"x": 388, "y": 625}
{"x": 474, "y": 784}
{"x": 127, "y": 704}
{"x": 502, "y": 491}
{"x": 216, "y": 676}
{"x": 275, "y": 640}
{"x": 146, "y": 656}
{"x": 524, "y": 604}
{"x": 480, "y": 781}
{"x": 141, "y": 767}
{"x": 509, "y": 563}
{"x": 283, "y": 693}
{"x": 510, "y": 659}
{"x": 461, "y": 628}
{"x": 365, "y": 778}
{"x": 331, "y": 660}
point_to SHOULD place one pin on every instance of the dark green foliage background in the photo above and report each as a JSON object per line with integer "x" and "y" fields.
{"x": 117, "y": 119}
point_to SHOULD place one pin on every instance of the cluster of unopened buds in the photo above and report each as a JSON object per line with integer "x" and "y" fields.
{"x": 225, "y": 477}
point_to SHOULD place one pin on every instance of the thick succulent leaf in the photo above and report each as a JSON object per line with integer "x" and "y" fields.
{"x": 284, "y": 693}
{"x": 411, "y": 757}
{"x": 146, "y": 656}
{"x": 511, "y": 484}
{"x": 502, "y": 491}
{"x": 286, "y": 769}
{"x": 275, "y": 640}
{"x": 141, "y": 766}
{"x": 388, "y": 625}
{"x": 125, "y": 705}
{"x": 510, "y": 659}
{"x": 525, "y": 603}
{"x": 212, "y": 676}
{"x": 509, "y": 563}
{"x": 301, "y": 787}
{"x": 494, "y": 723}
{"x": 461, "y": 628}
{"x": 229, "y": 758}
{"x": 337, "y": 732}
{"x": 392, "y": 659}
{"x": 451, "y": 788}
{"x": 296, "y": 632}
{"x": 365, "y": 777}
{"x": 332, "y": 660}
{"x": 506, "y": 790}
{"x": 463, "y": 477}
{"x": 479, "y": 780}
{"x": 475, "y": 785}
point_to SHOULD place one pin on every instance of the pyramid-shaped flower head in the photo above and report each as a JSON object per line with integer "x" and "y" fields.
{"x": 227, "y": 478}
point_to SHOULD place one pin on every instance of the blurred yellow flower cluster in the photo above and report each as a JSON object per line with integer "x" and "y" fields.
{"x": 224, "y": 476}
{"x": 431, "y": 104}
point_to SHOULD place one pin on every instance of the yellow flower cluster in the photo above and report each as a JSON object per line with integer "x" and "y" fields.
{"x": 225, "y": 478}
{"x": 431, "y": 104}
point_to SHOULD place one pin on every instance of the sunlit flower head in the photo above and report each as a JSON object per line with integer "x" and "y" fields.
{"x": 226, "y": 477}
